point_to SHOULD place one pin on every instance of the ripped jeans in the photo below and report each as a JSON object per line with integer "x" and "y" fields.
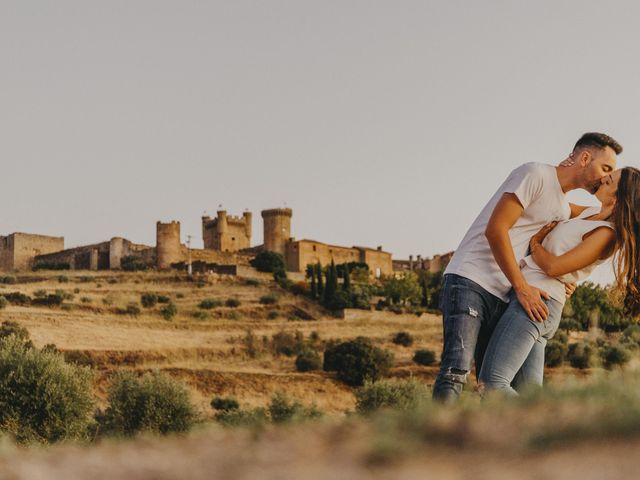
{"x": 469, "y": 315}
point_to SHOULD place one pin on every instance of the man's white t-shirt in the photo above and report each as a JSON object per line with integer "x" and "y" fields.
{"x": 537, "y": 187}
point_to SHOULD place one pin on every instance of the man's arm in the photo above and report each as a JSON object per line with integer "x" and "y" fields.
{"x": 504, "y": 216}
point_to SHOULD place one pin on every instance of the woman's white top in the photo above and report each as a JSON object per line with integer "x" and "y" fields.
{"x": 564, "y": 237}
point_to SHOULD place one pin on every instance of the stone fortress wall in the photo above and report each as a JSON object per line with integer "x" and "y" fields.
{"x": 227, "y": 243}
{"x": 18, "y": 250}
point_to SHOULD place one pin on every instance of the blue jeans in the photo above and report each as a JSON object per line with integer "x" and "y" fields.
{"x": 515, "y": 355}
{"x": 469, "y": 315}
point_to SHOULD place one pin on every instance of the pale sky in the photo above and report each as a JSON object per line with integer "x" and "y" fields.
{"x": 379, "y": 123}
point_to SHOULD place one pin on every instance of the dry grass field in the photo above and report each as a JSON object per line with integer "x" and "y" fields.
{"x": 209, "y": 354}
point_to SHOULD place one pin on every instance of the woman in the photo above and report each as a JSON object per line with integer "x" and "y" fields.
{"x": 567, "y": 253}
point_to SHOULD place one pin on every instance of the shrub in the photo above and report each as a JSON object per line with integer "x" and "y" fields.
{"x": 132, "y": 263}
{"x": 132, "y": 309}
{"x": 151, "y": 403}
{"x": 86, "y": 279}
{"x": 43, "y": 399}
{"x": 8, "y": 280}
{"x": 86, "y": 299}
{"x": 63, "y": 279}
{"x": 164, "y": 299}
{"x": 272, "y": 315}
{"x": 225, "y": 403}
{"x": 148, "y": 300}
{"x": 282, "y": 410}
{"x": 52, "y": 299}
{"x": 200, "y": 315}
{"x": 17, "y": 298}
{"x": 209, "y": 303}
{"x": 614, "y": 356}
{"x": 308, "y": 360}
{"x": 169, "y": 311}
{"x": 179, "y": 295}
{"x": 403, "y": 338}
{"x": 251, "y": 282}
{"x": 9, "y": 327}
{"x": 300, "y": 288}
{"x": 256, "y": 418}
{"x": 4, "y": 302}
{"x": 631, "y": 336}
{"x": 404, "y": 395}
{"x": 112, "y": 281}
{"x": 270, "y": 299}
{"x": 555, "y": 352}
{"x": 268, "y": 262}
{"x": 285, "y": 343}
{"x": 356, "y": 361}
{"x": 425, "y": 357}
{"x": 232, "y": 302}
{"x": 581, "y": 355}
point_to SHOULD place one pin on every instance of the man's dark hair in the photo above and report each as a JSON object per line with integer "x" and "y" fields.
{"x": 598, "y": 140}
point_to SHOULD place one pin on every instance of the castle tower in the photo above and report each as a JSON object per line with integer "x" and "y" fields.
{"x": 247, "y": 223}
{"x": 277, "y": 229}
{"x": 168, "y": 249}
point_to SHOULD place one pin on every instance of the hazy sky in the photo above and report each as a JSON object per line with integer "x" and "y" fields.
{"x": 380, "y": 123}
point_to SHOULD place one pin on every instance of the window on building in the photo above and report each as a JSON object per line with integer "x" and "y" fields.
{"x": 378, "y": 272}
{"x": 314, "y": 248}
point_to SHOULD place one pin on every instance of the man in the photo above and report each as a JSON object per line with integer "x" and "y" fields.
{"x": 485, "y": 266}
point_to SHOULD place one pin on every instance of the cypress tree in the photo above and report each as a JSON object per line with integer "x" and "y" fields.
{"x": 314, "y": 286}
{"x": 331, "y": 286}
{"x": 346, "y": 284}
{"x": 320, "y": 283}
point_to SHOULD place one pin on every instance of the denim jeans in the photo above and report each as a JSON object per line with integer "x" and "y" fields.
{"x": 515, "y": 355}
{"x": 469, "y": 315}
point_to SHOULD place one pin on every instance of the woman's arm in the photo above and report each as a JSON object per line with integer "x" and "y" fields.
{"x": 595, "y": 245}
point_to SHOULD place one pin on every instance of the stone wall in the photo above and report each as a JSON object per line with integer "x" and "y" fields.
{"x": 18, "y": 250}
{"x": 301, "y": 253}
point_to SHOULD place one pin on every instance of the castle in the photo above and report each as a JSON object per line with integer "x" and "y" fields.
{"x": 227, "y": 249}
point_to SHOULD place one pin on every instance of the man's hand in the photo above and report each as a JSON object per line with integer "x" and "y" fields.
{"x": 569, "y": 288}
{"x": 531, "y": 300}
{"x": 541, "y": 234}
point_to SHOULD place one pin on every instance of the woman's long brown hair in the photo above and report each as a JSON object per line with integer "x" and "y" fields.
{"x": 626, "y": 219}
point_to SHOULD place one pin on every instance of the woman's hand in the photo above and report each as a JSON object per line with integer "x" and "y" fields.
{"x": 541, "y": 235}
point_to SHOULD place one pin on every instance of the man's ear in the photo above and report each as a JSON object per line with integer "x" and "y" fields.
{"x": 585, "y": 157}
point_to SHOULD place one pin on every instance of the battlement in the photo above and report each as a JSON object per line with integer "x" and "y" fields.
{"x": 272, "y": 212}
{"x": 227, "y": 233}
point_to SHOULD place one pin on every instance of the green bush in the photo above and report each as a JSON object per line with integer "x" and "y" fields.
{"x": 308, "y": 360}
{"x": 285, "y": 343}
{"x": 425, "y": 357}
{"x": 403, "y": 338}
{"x": 8, "y": 280}
{"x": 43, "y": 399}
{"x": 631, "y": 336}
{"x": 614, "y": 356}
{"x": 581, "y": 355}
{"x": 357, "y": 361}
{"x": 169, "y": 311}
{"x": 225, "y": 403}
{"x": 282, "y": 410}
{"x": 9, "y": 328}
{"x": 232, "y": 302}
{"x": 132, "y": 263}
{"x": 164, "y": 299}
{"x": 3, "y": 302}
{"x": 132, "y": 309}
{"x": 151, "y": 403}
{"x": 256, "y": 417}
{"x": 149, "y": 300}
{"x": 200, "y": 315}
{"x": 52, "y": 299}
{"x": 17, "y": 298}
{"x": 209, "y": 303}
{"x": 63, "y": 279}
{"x": 403, "y": 395}
{"x": 272, "y": 315}
{"x": 270, "y": 299}
{"x": 85, "y": 299}
{"x": 268, "y": 262}
{"x": 555, "y": 352}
